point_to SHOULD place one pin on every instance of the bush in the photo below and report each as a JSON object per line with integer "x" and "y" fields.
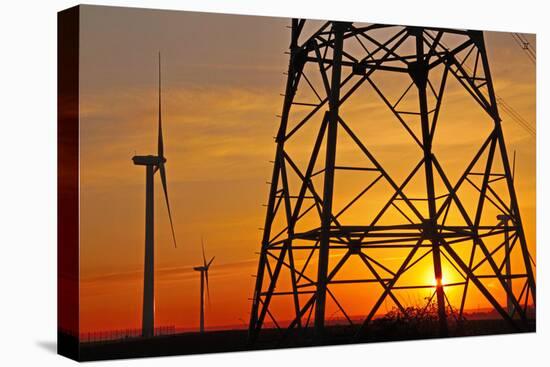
{"x": 414, "y": 321}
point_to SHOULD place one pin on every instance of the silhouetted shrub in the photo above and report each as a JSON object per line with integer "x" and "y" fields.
{"x": 414, "y": 321}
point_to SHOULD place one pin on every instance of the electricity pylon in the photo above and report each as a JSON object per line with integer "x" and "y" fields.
{"x": 410, "y": 211}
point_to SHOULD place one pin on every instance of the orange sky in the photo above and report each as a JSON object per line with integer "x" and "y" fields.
{"x": 222, "y": 76}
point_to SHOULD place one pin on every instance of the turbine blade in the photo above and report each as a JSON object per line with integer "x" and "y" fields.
{"x": 165, "y": 188}
{"x": 160, "y": 141}
{"x": 207, "y": 266}
{"x": 203, "y": 255}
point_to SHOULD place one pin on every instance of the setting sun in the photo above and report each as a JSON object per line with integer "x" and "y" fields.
{"x": 435, "y": 282}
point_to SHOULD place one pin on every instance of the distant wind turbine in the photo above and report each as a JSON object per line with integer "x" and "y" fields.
{"x": 204, "y": 276}
{"x": 152, "y": 164}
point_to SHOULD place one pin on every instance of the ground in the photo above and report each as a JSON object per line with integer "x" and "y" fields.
{"x": 237, "y": 340}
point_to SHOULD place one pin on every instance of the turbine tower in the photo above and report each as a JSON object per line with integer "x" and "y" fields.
{"x": 344, "y": 212}
{"x": 204, "y": 277}
{"x": 152, "y": 164}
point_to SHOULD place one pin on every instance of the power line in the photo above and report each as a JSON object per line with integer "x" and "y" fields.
{"x": 525, "y": 46}
{"x": 510, "y": 111}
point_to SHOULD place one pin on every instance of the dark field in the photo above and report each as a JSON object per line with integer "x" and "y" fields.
{"x": 236, "y": 340}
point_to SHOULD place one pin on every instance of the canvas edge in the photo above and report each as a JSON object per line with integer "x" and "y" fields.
{"x": 68, "y": 23}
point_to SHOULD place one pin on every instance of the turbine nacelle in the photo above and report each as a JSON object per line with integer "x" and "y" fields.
{"x": 148, "y": 160}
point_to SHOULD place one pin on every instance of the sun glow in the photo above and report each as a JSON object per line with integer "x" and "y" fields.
{"x": 434, "y": 282}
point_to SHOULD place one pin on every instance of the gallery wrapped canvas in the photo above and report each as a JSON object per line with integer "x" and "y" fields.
{"x": 231, "y": 183}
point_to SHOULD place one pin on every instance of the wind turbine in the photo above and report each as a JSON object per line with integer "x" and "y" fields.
{"x": 153, "y": 164}
{"x": 204, "y": 276}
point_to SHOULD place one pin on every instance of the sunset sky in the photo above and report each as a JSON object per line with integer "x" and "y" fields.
{"x": 222, "y": 79}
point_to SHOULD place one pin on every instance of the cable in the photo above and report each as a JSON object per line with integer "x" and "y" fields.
{"x": 510, "y": 111}
{"x": 525, "y": 46}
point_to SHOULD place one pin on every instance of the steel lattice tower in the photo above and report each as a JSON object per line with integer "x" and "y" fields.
{"x": 469, "y": 224}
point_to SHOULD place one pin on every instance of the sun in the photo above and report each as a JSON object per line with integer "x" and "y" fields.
{"x": 433, "y": 281}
